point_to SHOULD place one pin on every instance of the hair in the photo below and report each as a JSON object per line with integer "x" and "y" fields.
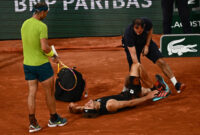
{"x": 90, "y": 113}
{"x": 39, "y": 7}
{"x": 138, "y": 22}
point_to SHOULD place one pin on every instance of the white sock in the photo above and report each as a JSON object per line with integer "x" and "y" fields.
{"x": 173, "y": 80}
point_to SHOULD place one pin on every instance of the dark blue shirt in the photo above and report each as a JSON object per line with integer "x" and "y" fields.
{"x": 131, "y": 39}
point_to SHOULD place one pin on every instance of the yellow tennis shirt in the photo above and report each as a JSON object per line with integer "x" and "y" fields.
{"x": 31, "y": 32}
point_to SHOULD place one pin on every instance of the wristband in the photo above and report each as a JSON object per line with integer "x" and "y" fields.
{"x": 50, "y": 54}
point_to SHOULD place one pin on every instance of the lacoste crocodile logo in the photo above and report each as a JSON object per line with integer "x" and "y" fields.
{"x": 191, "y": 1}
{"x": 174, "y": 47}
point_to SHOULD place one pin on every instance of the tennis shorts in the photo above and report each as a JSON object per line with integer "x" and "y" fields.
{"x": 153, "y": 55}
{"x": 41, "y": 73}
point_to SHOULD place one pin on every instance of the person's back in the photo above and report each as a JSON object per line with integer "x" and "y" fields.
{"x": 32, "y": 31}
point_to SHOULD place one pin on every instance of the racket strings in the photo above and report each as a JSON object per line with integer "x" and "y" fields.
{"x": 64, "y": 66}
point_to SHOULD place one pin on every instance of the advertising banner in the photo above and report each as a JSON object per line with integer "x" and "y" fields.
{"x": 180, "y": 45}
{"x": 79, "y": 18}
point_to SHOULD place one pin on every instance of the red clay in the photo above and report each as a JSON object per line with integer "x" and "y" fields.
{"x": 103, "y": 64}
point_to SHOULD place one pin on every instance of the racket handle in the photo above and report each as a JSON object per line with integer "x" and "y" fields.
{"x": 61, "y": 63}
{"x": 54, "y": 50}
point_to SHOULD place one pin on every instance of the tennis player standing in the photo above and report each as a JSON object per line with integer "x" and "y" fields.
{"x": 37, "y": 66}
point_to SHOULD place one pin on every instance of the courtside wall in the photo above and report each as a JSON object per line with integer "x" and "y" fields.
{"x": 80, "y": 18}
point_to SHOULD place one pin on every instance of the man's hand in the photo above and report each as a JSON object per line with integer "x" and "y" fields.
{"x": 146, "y": 47}
{"x": 74, "y": 108}
{"x": 145, "y": 50}
{"x": 55, "y": 59}
{"x": 152, "y": 94}
{"x": 133, "y": 54}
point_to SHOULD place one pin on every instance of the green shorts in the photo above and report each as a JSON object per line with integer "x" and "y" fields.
{"x": 41, "y": 73}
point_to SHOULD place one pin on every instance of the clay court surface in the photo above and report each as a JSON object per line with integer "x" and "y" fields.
{"x": 103, "y": 64}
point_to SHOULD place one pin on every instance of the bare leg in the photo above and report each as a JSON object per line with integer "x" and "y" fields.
{"x": 134, "y": 71}
{"x": 144, "y": 77}
{"x": 33, "y": 85}
{"x": 48, "y": 85}
{"x": 168, "y": 72}
{"x": 137, "y": 70}
{"x": 165, "y": 68}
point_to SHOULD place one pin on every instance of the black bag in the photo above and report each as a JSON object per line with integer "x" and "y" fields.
{"x": 69, "y": 85}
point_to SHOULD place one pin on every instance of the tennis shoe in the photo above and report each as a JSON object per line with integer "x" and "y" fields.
{"x": 59, "y": 122}
{"x": 33, "y": 128}
{"x": 180, "y": 87}
{"x": 162, "y": 87}
{"x": 160, "y": 83}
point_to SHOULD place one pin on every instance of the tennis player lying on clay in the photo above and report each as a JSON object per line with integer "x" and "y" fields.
{"x": 134, "y": 95}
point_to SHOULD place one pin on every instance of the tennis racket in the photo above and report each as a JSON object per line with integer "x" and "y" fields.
{"x": 73, "y": 78}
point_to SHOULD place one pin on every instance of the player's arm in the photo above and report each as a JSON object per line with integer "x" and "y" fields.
{"x": 133, "y": 53}
{"x": 48, "y": 50}
{"x": 114, "y": 105}
{"x": 146, "y": 47}
{"x": 145, "y": 78}
{"x": 44, "y": 39}
{"x": 44, "y": 42}
{"x": 149, "y": 36}
{"x": 44, "y": 45}
{"x": 74, "y": 108}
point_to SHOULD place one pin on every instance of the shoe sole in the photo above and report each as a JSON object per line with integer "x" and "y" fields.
{"x": 55, "y": 125}
{"x": 35, "y": 130}
{"x": 160, "y": 79}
